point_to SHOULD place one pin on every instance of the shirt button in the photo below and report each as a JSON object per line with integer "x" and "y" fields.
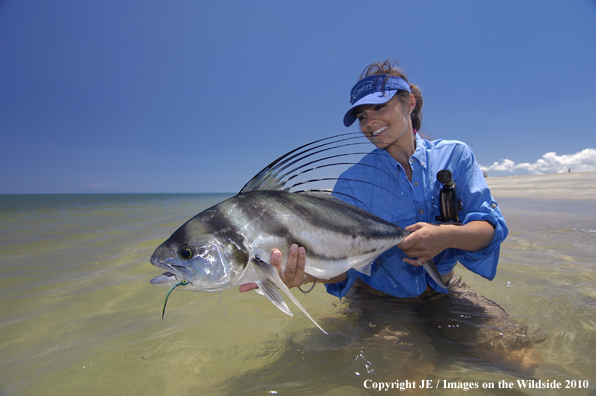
{"x": 415, "y": 183}
{"x": 421, "y": 211}
{"x": 493, "y": 205}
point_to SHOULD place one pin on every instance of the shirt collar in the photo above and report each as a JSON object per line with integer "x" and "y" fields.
{"x": 420, "y": 153}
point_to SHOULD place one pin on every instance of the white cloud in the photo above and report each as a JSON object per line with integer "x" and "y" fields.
{"x": 584, "y": 160}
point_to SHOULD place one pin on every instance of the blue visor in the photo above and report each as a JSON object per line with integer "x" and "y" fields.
{"x": 375, "y": 89}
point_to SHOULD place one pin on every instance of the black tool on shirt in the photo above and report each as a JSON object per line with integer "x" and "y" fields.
{"x": 449, "y": 204}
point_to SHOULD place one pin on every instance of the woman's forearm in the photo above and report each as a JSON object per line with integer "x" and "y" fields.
{"x": 473, "y": 236}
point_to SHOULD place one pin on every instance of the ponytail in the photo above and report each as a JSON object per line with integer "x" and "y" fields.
{"x": 416, "y": 115}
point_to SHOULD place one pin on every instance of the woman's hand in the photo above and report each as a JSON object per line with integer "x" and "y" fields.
{"x": 293, "y": 274}
{"x": 427, "y": 240}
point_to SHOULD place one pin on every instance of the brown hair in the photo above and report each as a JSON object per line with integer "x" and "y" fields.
{"x": 389, "y": 67}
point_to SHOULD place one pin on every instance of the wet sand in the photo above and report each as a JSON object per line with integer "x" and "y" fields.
{"x": 576, "y": 186}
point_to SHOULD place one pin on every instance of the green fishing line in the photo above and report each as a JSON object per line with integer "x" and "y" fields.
{"x": 175, "y": 285}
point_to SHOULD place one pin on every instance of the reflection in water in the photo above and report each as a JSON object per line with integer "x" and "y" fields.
{"x": 381, "y": 338}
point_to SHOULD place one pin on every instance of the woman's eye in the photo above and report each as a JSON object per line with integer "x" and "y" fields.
{"x": 361, "y": 117}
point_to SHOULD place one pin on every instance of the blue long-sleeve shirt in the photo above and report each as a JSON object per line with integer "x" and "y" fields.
{"x": 389, "y": 194}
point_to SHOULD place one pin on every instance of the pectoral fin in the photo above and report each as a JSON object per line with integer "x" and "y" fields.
{"x": 366, "y": 269}
{"x": 273, "y": 276}
{"x": 267, "y": 289}
{"x": 432, "y": 270}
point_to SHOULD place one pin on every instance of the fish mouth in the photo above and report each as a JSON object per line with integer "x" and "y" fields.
{"x": 165, "y": 279}
{"x": 174, "y": 273}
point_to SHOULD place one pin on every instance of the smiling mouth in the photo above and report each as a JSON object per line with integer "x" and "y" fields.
{"x": 380, "y": 130}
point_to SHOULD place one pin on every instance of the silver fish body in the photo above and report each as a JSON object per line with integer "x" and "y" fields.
{"x": 215, "y": 249}
{"x": 230, "y": 243}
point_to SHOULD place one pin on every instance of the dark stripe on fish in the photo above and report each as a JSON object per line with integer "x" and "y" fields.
{"x": 306, "y": 207}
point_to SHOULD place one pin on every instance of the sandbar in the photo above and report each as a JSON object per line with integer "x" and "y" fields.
{"x": 574, "y": 186}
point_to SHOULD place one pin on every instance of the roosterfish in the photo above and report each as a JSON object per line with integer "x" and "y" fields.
{"x": 229, "y": 244}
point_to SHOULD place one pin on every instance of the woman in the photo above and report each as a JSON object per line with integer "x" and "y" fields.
{"x": 388, "y": 110}
{"x": 401, "y": 186}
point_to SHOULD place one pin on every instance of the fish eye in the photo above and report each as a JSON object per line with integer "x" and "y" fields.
{"x": 185, "y": 252}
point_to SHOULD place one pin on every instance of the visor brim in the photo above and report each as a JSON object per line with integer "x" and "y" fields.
{"x": 371, "y": 99}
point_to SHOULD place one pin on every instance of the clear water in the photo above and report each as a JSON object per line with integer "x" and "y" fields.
{"x": 80, "y": 317}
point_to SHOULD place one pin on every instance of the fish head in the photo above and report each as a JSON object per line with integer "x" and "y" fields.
{"x": 207, "y": 262}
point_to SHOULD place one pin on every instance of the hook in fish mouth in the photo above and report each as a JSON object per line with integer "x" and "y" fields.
{"x": 183, "y": 282}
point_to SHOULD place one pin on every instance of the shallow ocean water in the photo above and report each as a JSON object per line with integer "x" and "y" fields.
{"x": 79, "y": 315}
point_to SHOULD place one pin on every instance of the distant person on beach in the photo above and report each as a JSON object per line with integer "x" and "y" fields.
{"x": 388, "y": 110}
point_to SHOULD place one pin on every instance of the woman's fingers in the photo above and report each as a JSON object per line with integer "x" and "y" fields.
{"x": 293, "y": 274}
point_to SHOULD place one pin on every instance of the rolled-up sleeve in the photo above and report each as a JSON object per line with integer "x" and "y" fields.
{"x": 340, "y": 289}
{"x": 479, "y": 205}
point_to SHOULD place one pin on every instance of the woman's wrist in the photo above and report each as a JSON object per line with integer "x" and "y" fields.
{"x": 310, "y": 279}
{"x": 335, "y": 279}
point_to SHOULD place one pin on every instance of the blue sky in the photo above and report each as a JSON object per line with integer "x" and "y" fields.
{"x": 197, "y": 96}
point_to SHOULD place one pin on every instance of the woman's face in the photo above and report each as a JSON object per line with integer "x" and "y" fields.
{"x": 385, "y": 124}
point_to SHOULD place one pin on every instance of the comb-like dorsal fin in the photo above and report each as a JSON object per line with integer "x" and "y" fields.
{"x": 314, "y": 156}
{"x": 267, "y": 178}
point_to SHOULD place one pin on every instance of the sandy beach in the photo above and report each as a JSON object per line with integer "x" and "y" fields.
{"x": 577, "y": 186}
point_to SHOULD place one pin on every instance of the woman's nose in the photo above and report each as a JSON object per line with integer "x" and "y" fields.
{"x": 370, "y": 120}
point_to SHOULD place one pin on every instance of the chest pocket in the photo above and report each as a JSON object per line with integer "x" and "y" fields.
{"x": 403, "y": 217}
